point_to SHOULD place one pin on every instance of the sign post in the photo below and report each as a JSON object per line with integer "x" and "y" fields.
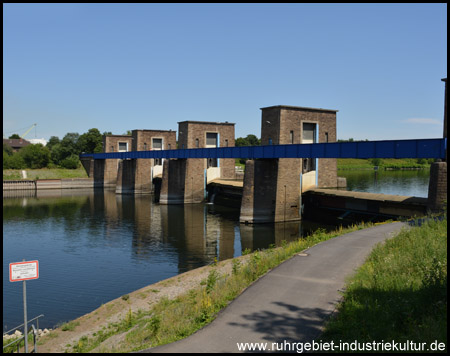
{"x": 23, "y": 271}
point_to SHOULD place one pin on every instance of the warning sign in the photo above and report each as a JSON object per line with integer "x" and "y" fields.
{"x": 22, "y": 271}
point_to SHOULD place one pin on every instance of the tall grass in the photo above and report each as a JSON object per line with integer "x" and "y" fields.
{"x": 400, "y": 293}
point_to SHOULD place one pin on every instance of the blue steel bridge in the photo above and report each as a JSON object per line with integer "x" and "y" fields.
{"x": 418, "y": 148}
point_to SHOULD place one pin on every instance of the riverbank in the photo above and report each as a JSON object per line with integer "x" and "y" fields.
{"x": 383, "y": 163}
{"x": 44, "y": 173}
{"x": 174, "y": 308}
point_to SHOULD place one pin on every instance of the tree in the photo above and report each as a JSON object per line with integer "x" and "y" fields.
{"x": 13, "y": 162}
{"x": 13, "y": 136}
{"x": 35, "y": 156}
{"x": 90, "y": 142}
{"x": 253, "y": 140}
{"x": 52, "y": 142}
{"x": 71, "y": 162}
{"x": 7, "y": 149}
{"x": 59, "y": 153}
{"x": 250, "y": 140}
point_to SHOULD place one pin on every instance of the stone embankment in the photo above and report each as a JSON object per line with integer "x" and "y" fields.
{"x": 66, "y": 183}
{"x": 18, "y": 333}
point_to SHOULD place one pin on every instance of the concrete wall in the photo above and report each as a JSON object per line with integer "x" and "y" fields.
{"x": 183, "y": 181}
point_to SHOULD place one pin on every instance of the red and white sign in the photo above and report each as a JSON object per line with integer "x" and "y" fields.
{"x": 23, "y": 271}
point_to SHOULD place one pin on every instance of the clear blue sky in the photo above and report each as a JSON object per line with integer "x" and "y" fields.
{"x": 119, "y": 67}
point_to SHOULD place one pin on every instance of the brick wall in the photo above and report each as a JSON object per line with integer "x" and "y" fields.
{"x": 110, "y": 166}
{"x": 437, "y": 189}
{"x": 142, "y": 140}
{"x": 191, "y": 131}
{"x": 279, "y": 121}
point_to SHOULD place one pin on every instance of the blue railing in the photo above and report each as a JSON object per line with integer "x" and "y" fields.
{"x": 421, "y": 148}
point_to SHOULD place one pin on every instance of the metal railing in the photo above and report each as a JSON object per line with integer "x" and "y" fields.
{"x": 18, "y": 341}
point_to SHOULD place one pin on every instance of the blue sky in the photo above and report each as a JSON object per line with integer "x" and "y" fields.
{"x": 119, "y": 67}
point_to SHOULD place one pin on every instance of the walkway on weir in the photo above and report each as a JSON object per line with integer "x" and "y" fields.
{"x": 291, "y": 302}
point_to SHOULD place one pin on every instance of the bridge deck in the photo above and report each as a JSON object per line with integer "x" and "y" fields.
{"x": 423, "y": 148}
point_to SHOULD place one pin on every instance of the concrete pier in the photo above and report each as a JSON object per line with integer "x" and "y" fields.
{"x": 183, "y": 182}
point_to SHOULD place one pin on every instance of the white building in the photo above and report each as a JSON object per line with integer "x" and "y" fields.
{"x": 34, "y": 141}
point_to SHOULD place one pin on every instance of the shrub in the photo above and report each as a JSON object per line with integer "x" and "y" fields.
{"x": 35, "y": 156}
{"x": 71, "y": 162}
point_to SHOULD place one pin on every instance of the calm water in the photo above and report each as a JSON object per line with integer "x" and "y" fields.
{"x": 93, "y": 248}
{"x": 409, "y": 183}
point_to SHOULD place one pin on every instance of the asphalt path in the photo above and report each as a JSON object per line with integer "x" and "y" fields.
{"x": 290, "y": 304}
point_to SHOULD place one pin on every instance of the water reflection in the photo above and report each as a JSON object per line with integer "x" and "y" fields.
{"x": 396, "y": 182}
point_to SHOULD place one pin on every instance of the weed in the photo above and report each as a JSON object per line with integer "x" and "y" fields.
{"x": 125, "y": 297}
{"x": 236, "y": 266}
{"x": 69, "y": 326}
{"x": 213, "y": 276}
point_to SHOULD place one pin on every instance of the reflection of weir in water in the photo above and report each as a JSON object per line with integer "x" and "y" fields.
{"x": 192, "y": 234}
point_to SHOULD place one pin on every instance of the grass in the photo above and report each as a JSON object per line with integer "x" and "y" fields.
{"x": 385, "y": 163}
{"x": 13, "y": 348}
{"x": 70, "y": 326}
{"x": 173, "y": 319}
{"x": 400, "y": 293}
{"x": 45, "y": 173}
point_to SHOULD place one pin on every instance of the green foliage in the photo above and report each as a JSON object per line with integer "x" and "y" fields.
{"x": 250, "y": 140}
{"x": 90, "y": 142}
{"x": 52, "y": 142}
{"x": 400, "y": 293}
{"x": 7, "y": 149}
{"x": 213, "y": 276}
{"x": 385, "y": 163}
{"x": 376, "y": 161}
{"x": 14, "y": 136}
{"x": 236, "y": 266}
{"x": 35, "y": 156}
{"x": 69, "y": 326}
{"x": 71, "y": 162}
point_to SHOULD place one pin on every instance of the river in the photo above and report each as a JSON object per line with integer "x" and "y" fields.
{"x": 95, "y": 247}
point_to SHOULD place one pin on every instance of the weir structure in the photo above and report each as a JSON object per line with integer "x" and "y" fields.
{"x": 184, "y": 180}
{"x": 298, "y": 152}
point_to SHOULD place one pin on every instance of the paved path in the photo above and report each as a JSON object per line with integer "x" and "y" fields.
{"x": 291, "y": 302}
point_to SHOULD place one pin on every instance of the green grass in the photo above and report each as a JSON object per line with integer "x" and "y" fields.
{"x": 400, "y": 293}
{"x": 171, "y": 320}
{"x": 44, "y": 173}
{"x": 385, "y": 163}
{"x": 69, "y": 326}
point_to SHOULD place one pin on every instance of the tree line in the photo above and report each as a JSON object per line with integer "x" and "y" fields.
{"x": 64, "y": 153}
{"x": 58, "y": 153}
